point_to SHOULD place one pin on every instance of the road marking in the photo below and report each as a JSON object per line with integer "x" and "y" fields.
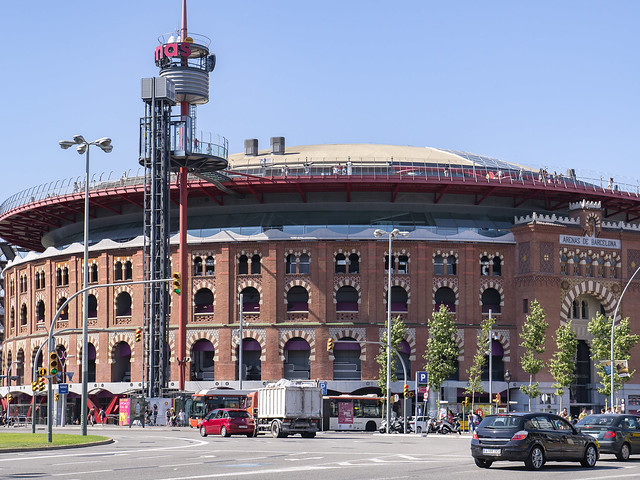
{"x": 176, "y": 465}
{"x": 409, "y": 457}
{"x": 66, "y": 474}
{"x": 75, "y": 463}
{"x": 299, "y": 459}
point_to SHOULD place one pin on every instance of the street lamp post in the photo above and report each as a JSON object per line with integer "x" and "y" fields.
{"x": 82, "y": 146}
{"x": 507, "y": 378}
{"x": 613, "y": 323}
{"x": 392, "y": 234}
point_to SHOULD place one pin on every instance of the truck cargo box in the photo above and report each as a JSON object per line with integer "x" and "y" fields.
{"x": 292, "y": 400}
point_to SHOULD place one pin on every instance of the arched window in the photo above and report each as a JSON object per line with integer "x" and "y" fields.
{"x": 291, "y": 263}
{"x": 23, "y": 314}
{"x": 447, "y": 297}
{"x": 484, "y": 266}
{"x": 403, "y": 265}
{"x": 386, "y": 263}
{"x": 584, "y": 310}
{"x": 42, "y": 282}
{"x": 438, "y": 265}
{"x": 243, "y": 265}
{"x": 202, "y": 367}
{"x": 209, "y": 266}
{"x": 37, "y": 280}
{"x": 40, "y": 311}
{"x": 341, "y": 263}
{"x": 64, "y": 314}
{"x": 252, "y": 365}
{"x": 575, "y": 309}
{"x": 13, "y": 318}
{"x": 20, "y": 367}
{"x": 297, "y": 299}
{"x": 128, "y": 270}
{"x": 203, "y": 301}
{"x": 497, "y": 266}
{"x": 564, "y": 270}
{"x": 250, "y": 300}
{"x": 354, "y": 263}
{"x": 346, "y": 360}
{"x": 255, "y": 265}
{"x": 452, "y": 265}
{"x": 117, "y": 271}
{"x": 93, "y": 273}
{"x": 121, "y": 366}
{"x": 399, "y": 299}
{"x": 65, "y": 276}
{"x": 93, "y": 306}
{"x": 305, "y": 264}
{"x": 296, "y": 359}
{"x": 497, "y": 367}
{"x": 123, "y": 305}
{"x": 347, "y": 299}
{"x": 197, "y": 267}
{"x": 490, "y": 301}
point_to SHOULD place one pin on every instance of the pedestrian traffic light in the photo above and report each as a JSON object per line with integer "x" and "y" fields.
{"x": 42, "y": 372}
{"x": 138, "y": 334}
{"x": 330, "y": 345}
{"x": 177, "y": 283}
{"x": 406, "y": 390}
{"x": 41, "y": 384}
{"x": 34, "y": 386}
{"x": 54, "y": 363}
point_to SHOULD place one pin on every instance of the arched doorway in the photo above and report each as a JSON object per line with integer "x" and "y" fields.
{"x": 346, "y": 360}
{"x": 121, "y": 366}
{"x": 251, "y": 351}
{"x": 296, "y": 359}
{"x": 202, "y": 367}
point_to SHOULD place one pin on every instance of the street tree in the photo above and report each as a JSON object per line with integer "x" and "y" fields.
{"x": 479, "y": 360}
{"x": 563, "y": 363}
{"x": 624, "y": 341}
{"x": 442, "y": 350}
{"x": 398, "y": 332}
{"x": 533, "y": 341}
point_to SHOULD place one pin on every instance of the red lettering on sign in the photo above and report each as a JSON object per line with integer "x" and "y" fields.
{"x": 182, "y": 50}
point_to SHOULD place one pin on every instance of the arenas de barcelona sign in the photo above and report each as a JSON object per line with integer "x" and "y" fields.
{"x": 587, "y": 241}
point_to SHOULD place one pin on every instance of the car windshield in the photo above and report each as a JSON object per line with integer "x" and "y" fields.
{"x": 604, "y": 420}
{"x": 238, "y": 414}
{"x": 502, "y": 421}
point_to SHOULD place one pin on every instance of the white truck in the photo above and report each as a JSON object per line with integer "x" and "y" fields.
{"x": 287, "y": 407}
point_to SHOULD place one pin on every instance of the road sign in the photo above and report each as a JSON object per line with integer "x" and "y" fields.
{"x": 422, "y": 378}
{"x": 323, "y": 386}
{"x": 63, "y": 388}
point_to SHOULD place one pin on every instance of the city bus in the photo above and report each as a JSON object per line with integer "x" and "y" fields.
{"x": 352, "y": 412}
{"x": 206, "y": 400}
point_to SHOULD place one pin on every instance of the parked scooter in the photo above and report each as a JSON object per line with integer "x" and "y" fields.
{"x": 397, "y": 425}
{"x": 450, "y": 426}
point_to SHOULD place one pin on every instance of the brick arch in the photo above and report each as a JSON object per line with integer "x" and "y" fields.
{"x": 191, "y": 341}
{"x": 496, "y": 286}
{"x": 286, "y": 336}
{"x": 253, "y": 334}
{"x": 248, "y": 253}
{"x": 347, "y": 332}
{"x": 64, "y": 341}
{"x": 298, "y": 282}
{"x": 92, "y": 340}
{"x": 34, "y": 349}
{"x": 397, "y": 282}
{"x": 39, "y": 296}
{"x": 491, "y": 256}
{"x": 121, "y": 337}
{"x": 346, "y": 252}
{"x": 203, "y": 282}
{"x": 445, "y": 282}
{"x": 502, "y": 336}
{"x": 247, "y": 282}
{"x": 444, "y": 254}
{"x": 591, "y": 287}
{"x": 351, "y": 282}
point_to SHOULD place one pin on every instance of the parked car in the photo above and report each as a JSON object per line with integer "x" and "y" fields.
{"x": 419, "y": 424}
{"x": 227, "y": 422}
{"x": 533, "y": 438}
{"x": 618, "y": 433}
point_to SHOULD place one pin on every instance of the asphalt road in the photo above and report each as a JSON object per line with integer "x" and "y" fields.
{"x": 181, "y": 454}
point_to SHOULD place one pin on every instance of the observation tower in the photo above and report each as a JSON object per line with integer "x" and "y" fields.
{"x": 172, "y": 145}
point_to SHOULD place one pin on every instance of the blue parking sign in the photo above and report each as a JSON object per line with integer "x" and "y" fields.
{"x": 323, "y": 386}
{"x": 423, "y": 378}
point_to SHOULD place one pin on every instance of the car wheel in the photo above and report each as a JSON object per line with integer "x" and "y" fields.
{"x": 419, "y": 429}
{"x": 535, "y": 460}
{"x": 483, "y": 463}
{"x": 590, "y": 456}
{"x": 223, "y": 432}
{"x": 623, "y": 454}
{"x": 203, "y": 433}
{"x": 275, "y": 429}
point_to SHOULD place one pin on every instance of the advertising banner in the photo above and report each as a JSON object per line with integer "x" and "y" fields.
{"x": 345, "y": 413}
{"x": 123, "y": 418}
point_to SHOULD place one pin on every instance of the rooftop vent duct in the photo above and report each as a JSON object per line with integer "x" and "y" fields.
{"x": 277, "y": 145}
{"x": 251, "y": 147}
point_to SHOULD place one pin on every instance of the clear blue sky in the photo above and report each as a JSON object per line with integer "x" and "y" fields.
{"x": 539, "y": 83}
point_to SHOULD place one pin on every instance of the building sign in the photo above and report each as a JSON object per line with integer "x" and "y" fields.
{"x": 592, "y": 242}
{"x": 175, "y": 49}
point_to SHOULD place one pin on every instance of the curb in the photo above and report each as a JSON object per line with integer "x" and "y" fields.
{"x": 57, "y": 447}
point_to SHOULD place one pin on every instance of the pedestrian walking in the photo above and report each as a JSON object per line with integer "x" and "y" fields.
{"x": 181, "y": 418}
{"x": 155, "y": 413}
{"x": 103, "y": 416}
{"x": 92, "y": 416}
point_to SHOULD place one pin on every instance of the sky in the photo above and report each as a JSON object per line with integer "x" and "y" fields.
{"x": 539, "y": 83}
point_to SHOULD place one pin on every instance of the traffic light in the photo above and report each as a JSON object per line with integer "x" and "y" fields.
{"x": 34, "y": 386}
{"x": 9, "y": 397}
{"x": 57, "y": 397}
{"x": 497, "y": 399}
{"x": 466, "y": 401}
{"x": 177, "y": 283}
{"x": 41, "y": 384}
{"x": 54, "y": 363}
{"x": 406, "y": 390}
{"x": 138, "y": 334}
{"x": 42, "y": 372}
{"x": 330, "y": 345}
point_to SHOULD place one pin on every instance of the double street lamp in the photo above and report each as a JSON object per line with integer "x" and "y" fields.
{"x": 392, "y": 235}
{"x": 82, "y": 147}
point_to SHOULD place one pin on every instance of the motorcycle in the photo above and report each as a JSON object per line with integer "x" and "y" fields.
{"x": 397, "y": 426}
{"x": 447, "y": 426}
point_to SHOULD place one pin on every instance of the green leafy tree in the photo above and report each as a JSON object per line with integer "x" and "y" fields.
{"x": 563, "y": 363}
{"x": 442, "y": 349}
{"x": 398, "y": 332}
{"x": 624, "y": 341}
{"x": 479, "y": 360}
{"x": 533, "y": 341}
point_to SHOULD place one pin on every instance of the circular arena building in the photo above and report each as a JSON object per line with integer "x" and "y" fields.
{"x": 292, "y": 230}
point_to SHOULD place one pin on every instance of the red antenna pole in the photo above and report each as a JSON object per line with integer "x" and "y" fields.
{"x": 183, "y": 28}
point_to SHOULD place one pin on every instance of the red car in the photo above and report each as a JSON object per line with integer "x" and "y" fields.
{"x": 227, "y": 422}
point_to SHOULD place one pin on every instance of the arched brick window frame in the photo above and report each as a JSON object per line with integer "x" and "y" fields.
{"x": 397, "y": 282}
{"x": 590, "y": 287}
{"x": 297, "y": 333}
{"x": 347, "y": 282}
{"x": 204, "y": 335}
{"x": 93, "y": 340}
{"x": 298, "y": 282}
{"x": 355, "y": 333}
{"x": 258, "y": 335}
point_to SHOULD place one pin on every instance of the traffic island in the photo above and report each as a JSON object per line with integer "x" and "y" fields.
{"x": 24, "y": 442}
